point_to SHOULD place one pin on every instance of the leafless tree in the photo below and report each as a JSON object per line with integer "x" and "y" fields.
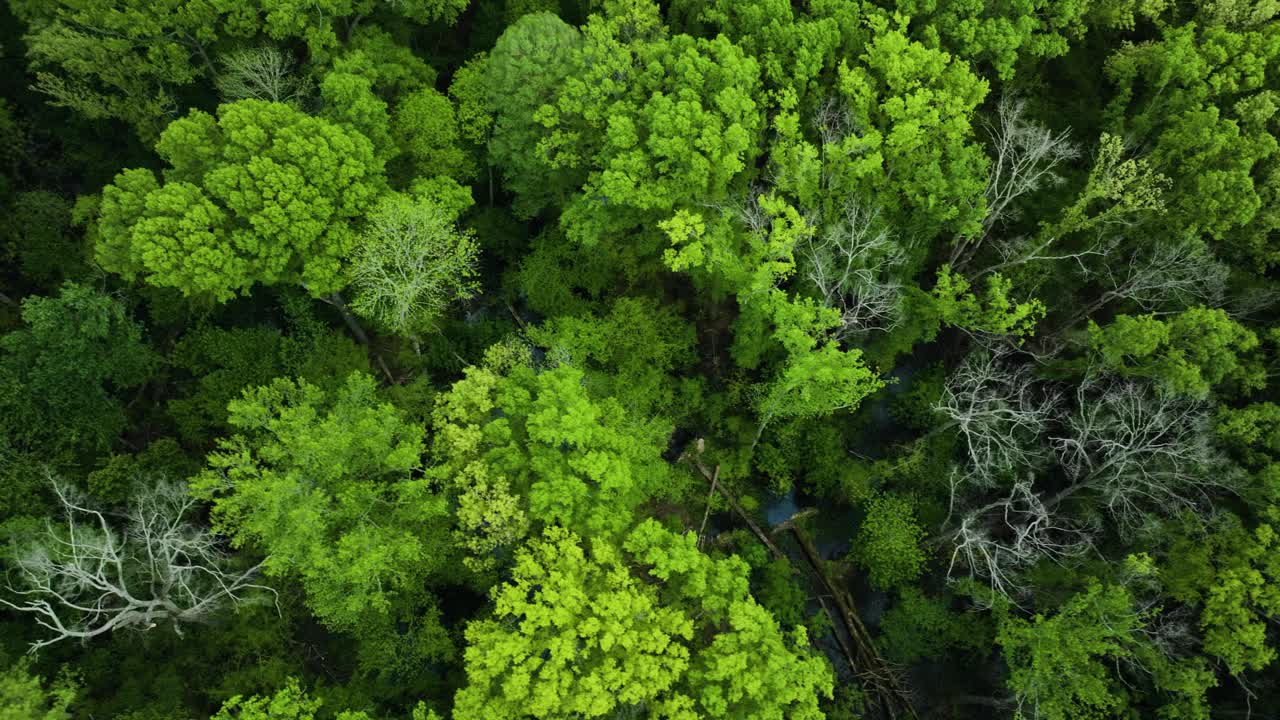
{"x": 853, "y": 264}
{"x": 1026, "y": 158}
{"x": 996, "y": 542}
{"x": 87, "y": 577}
{"x": 744, "y": 209}
{"x": 1000, "y": 413}
{"x": 833, "y": 120}
{"x": 1138, "y": 450}
{"x": 1178, "y": 273}
{"x": 264, "y": 73}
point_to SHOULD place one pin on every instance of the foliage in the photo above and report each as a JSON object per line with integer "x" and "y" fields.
{"x": 129, "y": 60}
{"x": 921, "y": 627}
{"x": 303, "y": 479}
{"x": 24, "y": 696}
{"x": 1231, "y": 573}
{"x": 888, "y": 541}
{"x": 261, "y": 194}
{"x": 1202, "y": 97}
{"x": 571, "y": 459}
{"x": 59, "y": 375}
{"x": 1059, "y": 664}
{"x": 485, "y": 335}
{"x": 609, "y": 642}
{"x": 1191, "y": 352}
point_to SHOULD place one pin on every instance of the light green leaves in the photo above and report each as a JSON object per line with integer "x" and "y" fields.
{"x": 325, "y": 485}
{"x": 580, "y": 634}
{"x": 262, "y": 194}
{"x": 412, "y": 263}
{"x": 1191, "y": 352}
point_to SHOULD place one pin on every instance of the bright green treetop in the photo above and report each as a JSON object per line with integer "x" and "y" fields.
{"x": 1069, "y": 665}
{"x": 24, "y": 696}
{"x": 1232, "y": 573}
{"x": 918, "y": 154}
{"x": 572, "y": 459}
{"x": 325, "y": 485}
{"x": 261, "y": 194}
{"x": 1190, "y": 352}
{"x": 1204, "y": 99}
{"x": 579, "y": 634}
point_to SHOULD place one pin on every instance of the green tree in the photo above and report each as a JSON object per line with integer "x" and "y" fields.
{"x": 412, "y": 263}
{"x": 130, "y": 59}
{"x": 1203, "y": 98}
{"x": 1191, "y": 352}
{"x": 1230, "y": 572}
{"x": 1074, "y": 663}
{"x": 24, "y": 696}
{"x": 540, "y": 437}
{"x": 577, "y": 633}
{"x": 60, "y": 374}
{"x": 571, "y": 635}
{"x": 629, "y": 354}
{"x": 326, "y": 484}
{"x": 522, "y": 73}
{"x": 1010, "y": 33}
{"x": 888, "y": 541}
{"x": 261, "y": 194}
{"x": 917, "y": 156}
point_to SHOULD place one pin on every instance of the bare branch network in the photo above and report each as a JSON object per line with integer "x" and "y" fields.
{"x": 88, "y": 577}
{"x": 1138, "y": 452}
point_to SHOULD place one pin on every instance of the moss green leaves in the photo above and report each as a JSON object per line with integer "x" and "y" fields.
{"x": 58, "y": 374}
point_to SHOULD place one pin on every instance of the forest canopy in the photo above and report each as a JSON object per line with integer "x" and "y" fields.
{"x": 622, "y": 359}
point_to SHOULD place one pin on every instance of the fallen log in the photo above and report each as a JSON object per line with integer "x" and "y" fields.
{"x": 875, "y": 674}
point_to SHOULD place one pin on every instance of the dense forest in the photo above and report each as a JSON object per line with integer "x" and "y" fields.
{"x": 743, "y": 359}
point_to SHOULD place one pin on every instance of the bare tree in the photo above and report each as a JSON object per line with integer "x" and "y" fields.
{"x": 1139, "y": 450}
{"x": 86, "y": 577}
{"x": 1000, "y": 412}
{"x": 264, "y": 73}
{"x": 853, "y": 264}
{"x": 996, "y": 542}
{"x": 1026, "y": 159}
{"x": 1170, "y": 274}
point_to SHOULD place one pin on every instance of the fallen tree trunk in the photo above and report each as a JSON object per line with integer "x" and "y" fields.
{"x": 885, "y": 692}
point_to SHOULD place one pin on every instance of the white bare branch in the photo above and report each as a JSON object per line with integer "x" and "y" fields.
{"x": 1139, "y": 450}
{"x": 262, "y": 73}
{"x": 1181, "y": 273}
{"x": 87, "y": 577}
{"x": 996, "y": 542}
{"x": 853, "y": 264}
{"x": 1027, "y": 156}
{"x": 1000, "y": 413}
